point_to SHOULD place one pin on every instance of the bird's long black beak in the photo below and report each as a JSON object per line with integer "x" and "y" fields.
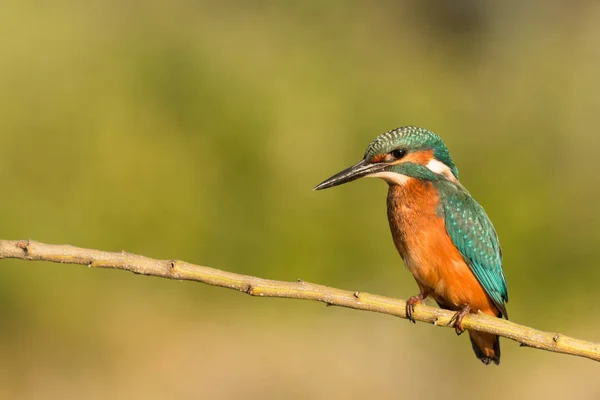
{"x": 358, "y": 170}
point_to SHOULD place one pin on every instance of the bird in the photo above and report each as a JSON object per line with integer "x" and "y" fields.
{"x": 443, "y": 235}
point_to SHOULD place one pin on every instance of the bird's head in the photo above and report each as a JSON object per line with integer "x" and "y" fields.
{"x": 398, "y": 156}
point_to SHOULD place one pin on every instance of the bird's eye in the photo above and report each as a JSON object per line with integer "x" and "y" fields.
{"x": 398, "y": 153}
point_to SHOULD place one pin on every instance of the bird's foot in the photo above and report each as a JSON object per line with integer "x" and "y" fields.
{"x": 410, "y": 306}
{"x": 458, "y": 318}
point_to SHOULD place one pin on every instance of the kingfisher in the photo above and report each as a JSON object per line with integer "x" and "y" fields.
{"x": 443, "y": 235}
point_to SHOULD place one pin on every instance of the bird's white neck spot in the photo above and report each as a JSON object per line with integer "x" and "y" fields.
{"x": 391, "y": 177}
{"x": 439, "y": 167}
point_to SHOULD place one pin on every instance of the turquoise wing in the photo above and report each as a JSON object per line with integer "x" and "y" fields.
{"x": 474, "y": 235}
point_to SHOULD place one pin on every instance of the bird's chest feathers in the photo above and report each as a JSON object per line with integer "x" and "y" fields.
{"x": 413, "y": 214}
{"x": 419, "y": 231}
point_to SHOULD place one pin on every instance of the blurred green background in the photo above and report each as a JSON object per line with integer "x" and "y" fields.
{"x": 197, "y": 129}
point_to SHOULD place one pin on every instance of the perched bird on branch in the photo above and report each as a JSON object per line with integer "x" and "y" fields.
{"x": 443, "y": 235}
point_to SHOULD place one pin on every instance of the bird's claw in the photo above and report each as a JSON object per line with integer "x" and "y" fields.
{"x": 410, "y": 307}
{"x": 410, "y": 311}
{"x": 457, "y": 319}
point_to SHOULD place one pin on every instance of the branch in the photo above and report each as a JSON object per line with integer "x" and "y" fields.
{"x": 175, "y": 269}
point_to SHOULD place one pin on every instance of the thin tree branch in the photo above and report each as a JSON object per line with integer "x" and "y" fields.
{"x": 175, "y": 269}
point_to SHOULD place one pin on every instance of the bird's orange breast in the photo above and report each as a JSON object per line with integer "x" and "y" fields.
{"x": 423, "y": 243}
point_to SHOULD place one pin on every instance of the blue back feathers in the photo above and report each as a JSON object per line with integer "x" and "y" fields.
{"x": 474, "y": 236}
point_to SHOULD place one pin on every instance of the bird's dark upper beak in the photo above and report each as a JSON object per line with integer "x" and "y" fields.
{"x": 358, "y": 170}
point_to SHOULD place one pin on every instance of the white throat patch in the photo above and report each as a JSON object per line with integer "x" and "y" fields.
{"x": 391, "y": 177}
{"x": 441, "y": 168}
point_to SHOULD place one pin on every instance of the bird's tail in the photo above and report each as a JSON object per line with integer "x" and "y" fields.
{"x": 486, "y": 346}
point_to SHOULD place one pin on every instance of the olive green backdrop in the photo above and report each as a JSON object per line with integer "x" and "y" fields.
{"x": 197, "y": 129}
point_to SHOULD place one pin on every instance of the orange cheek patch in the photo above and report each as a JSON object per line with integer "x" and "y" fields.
{"x": 379, "y": 158}
{"x": 418, "y": 157}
